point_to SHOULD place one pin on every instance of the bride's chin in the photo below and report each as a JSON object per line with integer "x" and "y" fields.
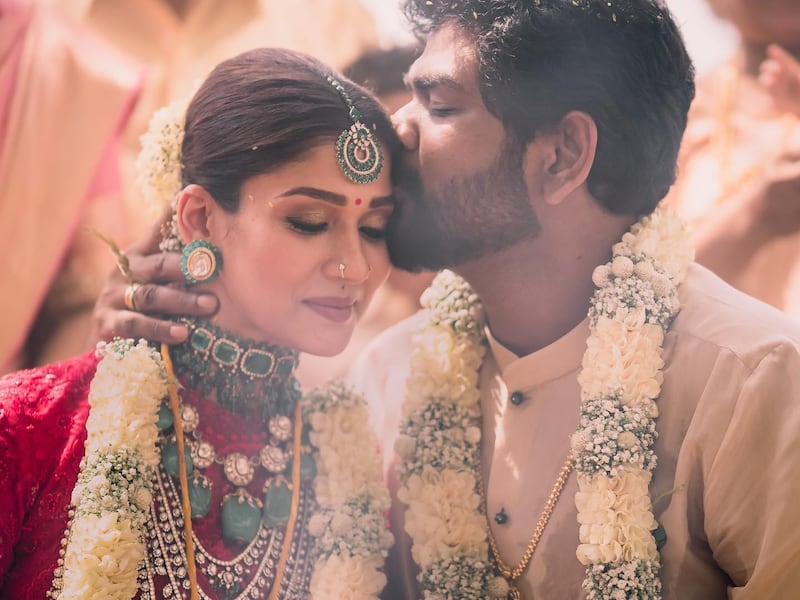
{"x": 328, "y": 345}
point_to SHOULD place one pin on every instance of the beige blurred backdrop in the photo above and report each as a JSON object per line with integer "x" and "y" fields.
{"x": 97, "y": 70}
{"x": 709, "y": 40}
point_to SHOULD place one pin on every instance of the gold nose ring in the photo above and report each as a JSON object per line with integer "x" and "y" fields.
{"x": 342, "y": 267}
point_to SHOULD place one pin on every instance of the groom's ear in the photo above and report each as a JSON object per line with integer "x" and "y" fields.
{"x": 562, "y": 156}
{"x": 194, "y": 209}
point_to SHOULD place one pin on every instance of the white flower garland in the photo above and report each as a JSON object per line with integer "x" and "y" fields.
{"x": 352, "y": 538}
{"x": 104, "y": 545}
{"x": 439, "y": 445}
{"x": 158, "y": 166}
{"x": 621, "y": 378}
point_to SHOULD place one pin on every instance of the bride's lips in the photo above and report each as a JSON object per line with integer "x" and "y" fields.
{"x": 333, "y": 308}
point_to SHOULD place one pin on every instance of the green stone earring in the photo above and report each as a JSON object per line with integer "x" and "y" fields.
{"x": 200, "y": 261}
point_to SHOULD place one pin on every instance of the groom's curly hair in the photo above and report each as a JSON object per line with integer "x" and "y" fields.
{"x": 623, "y": 62}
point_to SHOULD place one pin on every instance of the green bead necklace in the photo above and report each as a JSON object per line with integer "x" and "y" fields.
{"x": 251, "y": 379}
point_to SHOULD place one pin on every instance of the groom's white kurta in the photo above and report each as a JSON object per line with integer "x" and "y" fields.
{"x": 729, "y": 445}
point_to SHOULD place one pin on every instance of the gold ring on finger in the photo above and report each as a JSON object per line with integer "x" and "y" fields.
{"x": 130, "y": 296}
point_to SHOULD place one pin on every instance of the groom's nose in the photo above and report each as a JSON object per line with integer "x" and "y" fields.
{"x": 406, "y": 126}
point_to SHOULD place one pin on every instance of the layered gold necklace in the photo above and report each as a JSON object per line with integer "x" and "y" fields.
{"x": 254, "y": 381}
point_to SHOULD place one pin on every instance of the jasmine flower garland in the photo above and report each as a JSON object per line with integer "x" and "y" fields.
{"x": 632, "y": 309}
{"x": 621, "y": 379}
{"x": 352, "y": 539}
{"x": 439, "y": 445}
{"x": 104, "y": 543}
{"x": 159, "y": 168}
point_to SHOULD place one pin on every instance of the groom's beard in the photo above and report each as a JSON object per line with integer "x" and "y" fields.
{"x": 466, "y": 219}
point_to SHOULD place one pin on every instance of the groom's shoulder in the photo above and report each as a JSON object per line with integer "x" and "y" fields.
{"x": 381, "y": 371}
{"x": 715, "y": 317}
{"x": 393, "y": 345}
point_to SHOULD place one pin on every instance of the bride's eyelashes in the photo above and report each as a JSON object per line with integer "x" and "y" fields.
{"x": 373, "y": 233}
{"x": 306, "y": 227}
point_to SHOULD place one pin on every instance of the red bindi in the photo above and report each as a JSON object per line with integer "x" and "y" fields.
{"x": 358, "y": 201}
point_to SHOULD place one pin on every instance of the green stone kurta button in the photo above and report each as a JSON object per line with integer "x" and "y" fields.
{"x": 199, "y": 496}
{"x": 517, "y": 398}
{"x": 241, "y": 518}
{"x": 277, "y": 504}
{"x": 169, "y": 458}
{"x": 501, "y": 518}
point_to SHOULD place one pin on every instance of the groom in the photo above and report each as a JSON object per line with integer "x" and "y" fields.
{"x": 538, "y": 134}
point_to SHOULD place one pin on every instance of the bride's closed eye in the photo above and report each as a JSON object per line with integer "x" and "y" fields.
{"x": 376, "y": 234}
{"x": 371, "y": 232}
{"x": 307, "y": 227}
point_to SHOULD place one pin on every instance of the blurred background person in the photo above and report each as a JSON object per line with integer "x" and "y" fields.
{"x": 65, "y": 98}
{"x": 739, "y": 170}
{"x": 180, "y": 41}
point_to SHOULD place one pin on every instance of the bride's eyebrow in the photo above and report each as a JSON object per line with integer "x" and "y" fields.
{"x": 333, "y": 197}
{"x": 382, "y": 201}
{"x": 317, "y": 194}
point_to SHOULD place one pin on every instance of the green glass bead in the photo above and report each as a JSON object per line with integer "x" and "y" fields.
{"x": 225, "y": 352}
{"x": 305, "y": 435}
{"x": 660, "y": 535}
{"x": 241, "y": 518}
{"x": 257, "y": 363}
{"x": 169, "y": 458}
{"x": 165, "y": 418}
{"x": 285, "y": 367}
{"x": 199, "y": 496}
{"x": 277, "y": 504}
{"x": 308, "y": 467}
{"x": 200, "y": 339}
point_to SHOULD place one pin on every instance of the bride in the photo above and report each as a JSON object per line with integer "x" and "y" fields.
{"x": 278, "y": 173}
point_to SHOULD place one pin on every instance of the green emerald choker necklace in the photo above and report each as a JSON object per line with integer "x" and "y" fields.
{"x": 250, "y": 378}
